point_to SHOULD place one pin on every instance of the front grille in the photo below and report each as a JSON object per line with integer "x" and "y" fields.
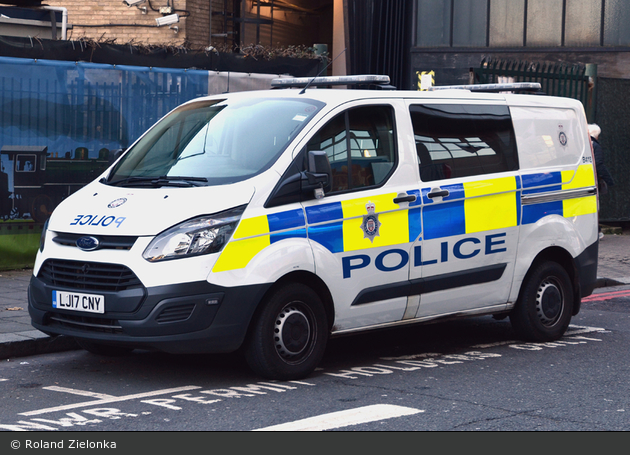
{"x": 176, "y": 313}
{"x": 85, "y": 323}
{"x": 106, "y": 242}
{"x": 88, "y": 276}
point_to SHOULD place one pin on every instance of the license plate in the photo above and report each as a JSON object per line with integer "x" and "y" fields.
{"x": 89, "y": 303}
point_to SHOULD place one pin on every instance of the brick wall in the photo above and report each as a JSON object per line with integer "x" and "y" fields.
{"x": 198, "y": 25}
{"x": 112, "y": 20}
{"x": 106, "y": 20}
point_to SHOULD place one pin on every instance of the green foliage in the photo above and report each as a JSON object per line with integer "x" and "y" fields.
{"x": 18, "y": 250}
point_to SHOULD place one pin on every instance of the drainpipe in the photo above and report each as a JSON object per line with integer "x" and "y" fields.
{"x": 64, "y": 22}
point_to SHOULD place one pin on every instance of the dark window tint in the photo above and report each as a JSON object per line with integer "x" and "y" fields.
{"x": 360, "y": 146}
{"x": 459, "y": 141}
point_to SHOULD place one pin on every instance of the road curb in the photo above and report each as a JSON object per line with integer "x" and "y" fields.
{"x": 21, "y": 346}
{"x": 607, "y": 282}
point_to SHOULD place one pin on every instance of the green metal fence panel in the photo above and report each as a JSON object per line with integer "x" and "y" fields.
{"x": 556, "y": 79}
{"x": 613, "y": 116}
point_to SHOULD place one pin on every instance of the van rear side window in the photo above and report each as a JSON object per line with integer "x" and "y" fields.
{"x": 460, "y": 141}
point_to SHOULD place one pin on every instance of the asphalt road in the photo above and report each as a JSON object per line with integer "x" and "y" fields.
{"x": 465, "y": 375}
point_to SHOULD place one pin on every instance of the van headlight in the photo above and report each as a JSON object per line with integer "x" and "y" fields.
{"x": 202, "y": 235}
{"x": 42, "y": 239}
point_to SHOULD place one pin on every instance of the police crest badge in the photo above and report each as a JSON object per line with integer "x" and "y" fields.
{"x": 371, "y": 224}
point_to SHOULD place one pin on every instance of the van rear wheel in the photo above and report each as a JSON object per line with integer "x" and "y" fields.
{"x": 544, "y": 307}
{"x": 289, "y": 336}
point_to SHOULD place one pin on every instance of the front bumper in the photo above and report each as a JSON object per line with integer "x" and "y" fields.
{"x": 194, "y": 317}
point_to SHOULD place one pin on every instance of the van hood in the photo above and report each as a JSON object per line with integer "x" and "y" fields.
{"x": 106, "y": 210}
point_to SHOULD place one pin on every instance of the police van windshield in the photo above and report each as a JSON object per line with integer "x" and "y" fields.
{"x": 214, "y": 142}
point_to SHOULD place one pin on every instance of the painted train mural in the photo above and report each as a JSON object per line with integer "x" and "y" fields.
{"x": 40, "y": 181}
{"x": 63, "y": 123}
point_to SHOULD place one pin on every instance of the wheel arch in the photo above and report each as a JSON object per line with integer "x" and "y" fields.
{"x": 307, "y": 279}
{"x": 564, "y": 258}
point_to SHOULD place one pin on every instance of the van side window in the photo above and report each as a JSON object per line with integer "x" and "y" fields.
{"x": 368, "y": 134}
{"x": 460, "y": 141}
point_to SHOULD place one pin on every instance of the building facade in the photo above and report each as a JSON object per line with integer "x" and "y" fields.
{"x": 225, "y": 24}
{"x": 453, "y": 37}
{"x": 448, "y": 39}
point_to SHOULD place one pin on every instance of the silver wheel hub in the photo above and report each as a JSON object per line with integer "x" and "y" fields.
{"x": 549, "y": 303}
{"x": 292, "y": 332}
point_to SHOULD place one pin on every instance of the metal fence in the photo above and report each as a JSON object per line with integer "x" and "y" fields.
{"x": 557, "y": 79}
{"x": 67, "y": 105}
{"x": 78, "y": 114}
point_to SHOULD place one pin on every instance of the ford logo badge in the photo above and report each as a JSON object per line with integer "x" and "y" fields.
{"x": 88, "y": 243}
{"x": 117, "y": 203}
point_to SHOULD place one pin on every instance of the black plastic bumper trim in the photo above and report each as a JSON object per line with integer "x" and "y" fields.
{"x": 586, "y": 263}
{"x": 218, "y": 320}
{"x": 432, "y": 284}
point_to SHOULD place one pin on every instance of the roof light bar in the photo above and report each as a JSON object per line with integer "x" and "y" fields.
{"x": 287, "y": 82}
{"x": 529, "y": 86}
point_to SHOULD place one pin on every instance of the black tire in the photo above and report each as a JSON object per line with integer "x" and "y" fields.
{"x": 105, "y": 350}
{"x": 289, "y": 335}
{"x": 545, "y": 305}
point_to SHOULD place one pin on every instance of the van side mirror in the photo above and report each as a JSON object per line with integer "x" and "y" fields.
{"x": 318, "y": 173}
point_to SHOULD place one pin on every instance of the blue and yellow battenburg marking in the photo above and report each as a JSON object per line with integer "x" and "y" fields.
{"x": 338, "y": 225}
{"x": 470, "y": 207}
{"x": 552, "y": 182}
{"x": 255, "y": 234}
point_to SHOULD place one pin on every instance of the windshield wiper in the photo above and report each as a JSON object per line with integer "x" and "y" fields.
{"x": 164, "y": 180}
{"x": 122, "y": 182}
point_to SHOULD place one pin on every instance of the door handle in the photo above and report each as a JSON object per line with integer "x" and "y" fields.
{"x": 407, "y": 198}
{"x": 438, "y": 193}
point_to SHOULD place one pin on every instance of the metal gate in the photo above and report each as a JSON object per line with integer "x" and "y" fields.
{"x": 576, "y": 81}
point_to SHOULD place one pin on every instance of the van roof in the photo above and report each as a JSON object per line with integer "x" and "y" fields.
{"x": 367, "y": 87}
{"x": 382, "y": 82}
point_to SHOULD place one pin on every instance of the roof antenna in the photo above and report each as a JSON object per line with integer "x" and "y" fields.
{"x": 323, "y": 69}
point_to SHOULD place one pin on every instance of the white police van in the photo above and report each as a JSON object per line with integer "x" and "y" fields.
{"x": 273, "y": 220}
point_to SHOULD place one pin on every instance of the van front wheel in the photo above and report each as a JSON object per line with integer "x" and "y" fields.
{"x": 289, "y": 336}
{"x": 543, "y": 310}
